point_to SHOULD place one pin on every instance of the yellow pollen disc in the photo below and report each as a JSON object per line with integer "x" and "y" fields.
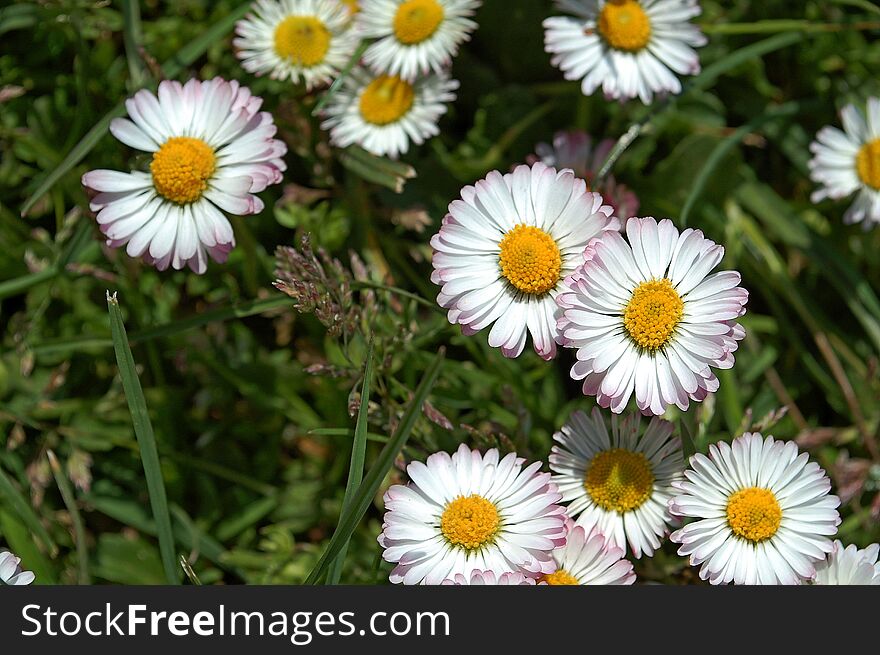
{"x": 560, "y": 577}
{"x": 470, "y": 522}
{"x": 868, "y": 164}
{"x": 302, "y": 40}
{"x": 624, "y": 25}
{"x": 181, "y": 169}
{"x": 754, "y": 514}
{"x": 652, "y": 313}
{"x": 386, "y": 100}
{"x": 417, "y": 20}
{"x": 619, "y": 480}
{"x": 352, "y": 6}
{"x": 530, "y": 259}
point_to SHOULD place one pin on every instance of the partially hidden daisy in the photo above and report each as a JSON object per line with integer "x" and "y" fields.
{"x": 471, "y": 512}
{"x": 414, "y": 37}
{"x": 11, "y": 573}
{"x": 847, "y": 162}
{"x": 849, "y": 566}
{"x": 488, "y": 578}
{"x": 588, "y": 559}
{"x": 618, "y": 482}
{"x": 629, "y": 48}
{"x": 383, "y": 114}
{"x": 647, "y": 318}
{"x": 299, "y": 40}
{"x": 505, "y": 249}
{"x": 577, "y": 151}
{"x": 763, "y": 512}
{"x": 211, "y": 151}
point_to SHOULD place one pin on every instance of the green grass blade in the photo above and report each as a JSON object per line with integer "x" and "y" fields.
{"x": 171, "y": 68}
{"x": 79, "y": 531}
{"x": 860, "y": 4}
{"x": 15, "y": 502}
{"x": 356, "y": 468}
{"x": 723, "y": 148}
{"x": 132, "y": 37}
{"x": 143, "y": 429}
{"x": 361, "y": 502}
{"x": 340, "y": 79}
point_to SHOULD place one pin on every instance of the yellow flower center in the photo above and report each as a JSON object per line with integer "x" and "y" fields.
{"x": 754, "y": 514}
{"x": 181, "y": 169}
{"x": 868, "y": 164}
{"x": 417, "y": 20}
{"x": 386, "y": 100}
{"x": 652, "y": 313}
{"x": 352, "y": 5}
{"x": 470, "y": 522}
{"x": 619, "y": 480}
{"x": 302, "y": 40}
{"x": 560, "y": 577}
{"x": 624, "y": 25}
{"x": 530, "y": 259}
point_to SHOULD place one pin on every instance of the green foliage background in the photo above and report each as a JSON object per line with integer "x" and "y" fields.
{"x": 253, "y": 404}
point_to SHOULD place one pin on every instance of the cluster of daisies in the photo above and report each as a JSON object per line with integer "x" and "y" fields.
{"x": 396, "y": 91}
{"x": 757, "y": 512}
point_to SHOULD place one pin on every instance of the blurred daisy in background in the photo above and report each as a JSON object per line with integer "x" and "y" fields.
{"x": 618, "y": 482}
{"x": 485, "y": 578}
{"x": 848, "y": 162}
{"x": 647, "y": 319}
{"x": 849, "y": 566}
{"x": 212, "y": 149}
{"x": 11, "y": 573}
{"x": 764, "y": 513}
{"x": 505, "y": 248}
{"x": 383, "y": 114}
{"x": 586, "y": 559}
{"x": 471, "y": 512}
{"x": 296, "y": 40}
{"x": 630, "y": 48}
{"x": 414, "y": 36}
{"x": 575, "y": 150}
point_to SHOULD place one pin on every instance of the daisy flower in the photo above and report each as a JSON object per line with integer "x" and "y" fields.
{"x": 308, "y": 40}
{"x": 848, "y": 162}
{"x": 11, "y": 573}
{"x": 586, "y": 559}
{"x": 211, "y": 148}
{"x": 618, "y": 483}
{"x": 646, "y": 317}
{"x": 849, "y": 566}
{"x": 484, "y": 578}
{"x": 384, "y": 113}
{"x": 414, "y": 36}
{"x": 763, "y": 512}
{"x": 628, "y": 47}
{"x": 471, "y": 512}
{"x": 576, "y": 150}
{"x": 505, "y": 249}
